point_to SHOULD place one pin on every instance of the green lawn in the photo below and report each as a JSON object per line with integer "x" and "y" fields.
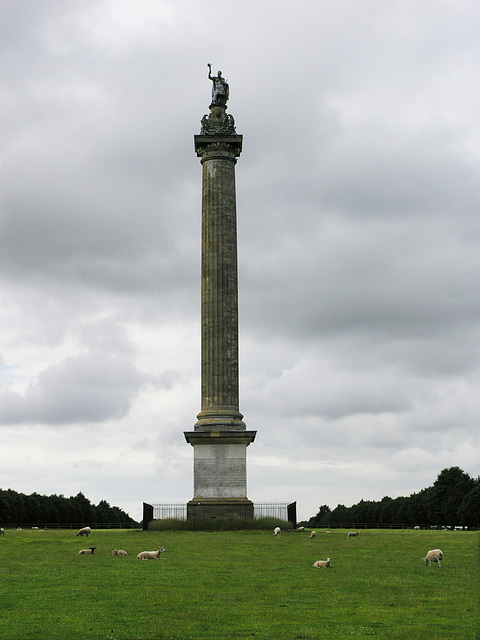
{"x": 245, "y": 584}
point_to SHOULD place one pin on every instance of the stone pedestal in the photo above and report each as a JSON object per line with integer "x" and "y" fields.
{"x": 220, "y": 464}
{"x": 220, "y": 437}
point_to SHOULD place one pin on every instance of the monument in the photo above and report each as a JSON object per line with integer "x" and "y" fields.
{"x": 220, "y": 437}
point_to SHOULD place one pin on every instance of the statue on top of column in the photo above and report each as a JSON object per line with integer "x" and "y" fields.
{"x": 219, "y": 89}
{"x": 218, "y": 122}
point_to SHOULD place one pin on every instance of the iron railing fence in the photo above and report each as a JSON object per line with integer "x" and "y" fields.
{"x": 178, "y": 510}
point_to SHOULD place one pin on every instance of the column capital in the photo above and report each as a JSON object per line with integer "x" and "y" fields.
{"x": 209, "y": 147}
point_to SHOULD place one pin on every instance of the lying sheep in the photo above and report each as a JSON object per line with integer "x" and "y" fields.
{"x": 151, "y": 555}
{"x": 276, "y": 531}
{"x": 119, "y": 552}
{"x": 435, "y": 555}
{"x": 313, "y": 534}
{"x": 417, "y": 528}
{"x": 322, "y": 563}
{"x": 86, "y": 531}
{"x": 90, "y": 550}
{"x": 353, "y": 534}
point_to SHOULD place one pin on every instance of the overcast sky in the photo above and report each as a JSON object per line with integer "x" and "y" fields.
{"x": 358, "y": 201}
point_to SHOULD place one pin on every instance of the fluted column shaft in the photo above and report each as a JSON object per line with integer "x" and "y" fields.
{"x": 219, "y": 368}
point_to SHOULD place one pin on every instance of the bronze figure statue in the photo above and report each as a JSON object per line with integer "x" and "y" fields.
{"x": 220, "y": 88}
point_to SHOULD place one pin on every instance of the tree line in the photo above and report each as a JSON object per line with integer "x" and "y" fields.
{"x": 18, "y": 509}
{"x": 453, "y": 500}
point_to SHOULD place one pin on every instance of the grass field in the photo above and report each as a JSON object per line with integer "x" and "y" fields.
{"x": 244, "y": 584}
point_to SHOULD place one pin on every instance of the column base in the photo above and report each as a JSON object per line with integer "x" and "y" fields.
{"x": 213, "y": 420}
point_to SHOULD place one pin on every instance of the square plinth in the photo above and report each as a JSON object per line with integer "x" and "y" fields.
{"x": 220, "y": 463}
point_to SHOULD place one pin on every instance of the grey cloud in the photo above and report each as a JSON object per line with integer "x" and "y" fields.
{"x": 96, "y": 385}
{"x": 81, "y": 389}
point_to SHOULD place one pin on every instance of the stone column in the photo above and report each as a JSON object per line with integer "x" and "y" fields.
{"x": 220, "y": 437}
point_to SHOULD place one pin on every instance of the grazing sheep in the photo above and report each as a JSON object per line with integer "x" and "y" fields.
{"x": 417, "y": 528}
{"x": 86, "y": 531}
{"x": 353, "y": 534}
{"x": 301, "y": 529}
{"x": 313, "y": 534}
{"x": 90, "y": 550}
{"x": 276, "y": 531}
{"x": 435, "y": 555}
{"x": 2, "y": 531}
{"x": 322, "y": 563}
{"x": 151, "y": 555}
{"x": 119, "y": 552}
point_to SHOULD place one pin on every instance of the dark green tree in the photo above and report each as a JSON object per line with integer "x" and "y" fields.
{"x": 5, "y": 509}
{"x": 385, "y": 510}
{"x": 452, "y": 500}
{"x": 448, "y": 492}
{"x": 321, "y": 518}
{"x": 469, "y": 509}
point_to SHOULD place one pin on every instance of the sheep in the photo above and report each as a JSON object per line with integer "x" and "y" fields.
{"x": 417, "y": 528}
{"x": 435, "y": 555}
{"x": 276, "y": 531}
{"x": 328, "y": 531}
{"x": 89, "y": 550}
{"x": 2, "y": 531}
{"x": 301, "y": 529}
{"x": 353, "y": 534}
{"x": 151, "y": 555}
{"x": 119, "y": 552}
{"x": 313, "y": 534}
{"x": 86, "y": 531}
{"x": 322, "y": 563}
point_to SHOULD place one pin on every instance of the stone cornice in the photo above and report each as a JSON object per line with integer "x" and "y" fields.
{"x": 224, "y": 436}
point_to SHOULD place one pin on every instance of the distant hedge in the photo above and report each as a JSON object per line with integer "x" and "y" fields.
{"x": 453, "y": 500}
{"x": 18, "y": 509}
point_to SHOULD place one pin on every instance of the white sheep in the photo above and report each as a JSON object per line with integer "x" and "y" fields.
{"x": 435, "y": 555}
{"x": 301, "y": 529}
{"x": 313, "y": 534}
{"x": 2, "y": 531}
{"x": 89, "y": 550}
{"x": 276, "y": 531}
{"x": 353, "y": 534}
{"x": 328, "y": 531}
{"x": 151, "y": 555}
{"x": 417, "y": 528}
{"x": 322, "y": 563}
{"x": 119, "y": 552}
{"x": 86, "y": 531}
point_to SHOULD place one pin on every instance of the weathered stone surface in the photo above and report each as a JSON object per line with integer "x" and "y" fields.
{"x": 220, "y": 388}
{"x": 220, "y": 437}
